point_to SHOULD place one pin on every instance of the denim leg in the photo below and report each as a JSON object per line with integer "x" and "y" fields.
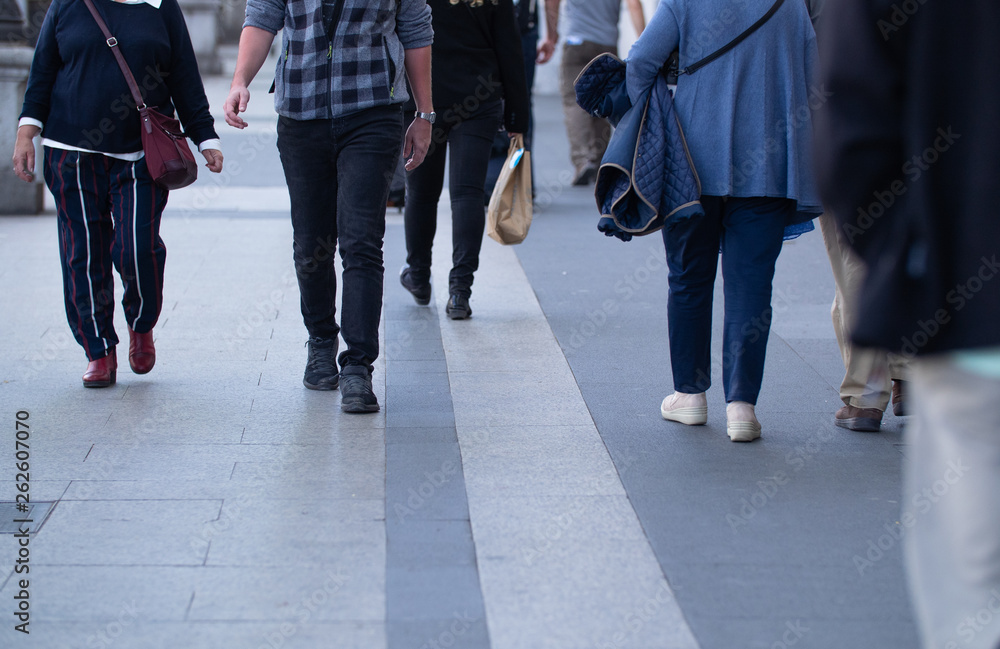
{"x": 469, "y": 142}
{"x": 423, "y": 190}
{"x": 308, "y": 156}
{"x": 751, "y": 241}
{"x": 692, "y": 260}
{"x": 368, "y": 143}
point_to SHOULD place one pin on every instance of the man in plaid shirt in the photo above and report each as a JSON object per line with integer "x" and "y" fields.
{"x": 340, "y": 84}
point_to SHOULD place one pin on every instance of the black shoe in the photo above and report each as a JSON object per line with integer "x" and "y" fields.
{"x": 458, "y": 307}
{"x": 421, "y": 292}
{"x": 356, "y": 390}
{"x": 321, "y": 366}
{"x": 585, "y": 175}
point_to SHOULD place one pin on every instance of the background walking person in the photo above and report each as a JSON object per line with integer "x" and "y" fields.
{"x": 477, "y": 61}
{"x": 109, "y": 207}
{"x": 592, "y": 29}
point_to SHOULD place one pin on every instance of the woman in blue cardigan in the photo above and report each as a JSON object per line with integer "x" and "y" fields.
{"x": 108, "y": 206}
{"x": 747, "y": 119}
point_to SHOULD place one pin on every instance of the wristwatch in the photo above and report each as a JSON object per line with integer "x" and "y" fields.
{"x": 430, "y": 117}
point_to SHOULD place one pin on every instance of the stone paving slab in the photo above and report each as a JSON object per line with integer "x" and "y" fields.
{"x": 232, "y": 507}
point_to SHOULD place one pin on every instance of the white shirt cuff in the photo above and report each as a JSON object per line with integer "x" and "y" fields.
{"x": 29, "y": 121}
{"x": 211, "y": 144}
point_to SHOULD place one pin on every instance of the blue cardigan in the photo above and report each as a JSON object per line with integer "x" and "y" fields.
{"x": 76, "y": 89}
{"x": 747, "y": 116}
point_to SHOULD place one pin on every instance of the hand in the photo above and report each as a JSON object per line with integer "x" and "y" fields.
{"x": 236, "y": 103}
{"x": 511, "y": 134}
{"x": 24, "y": 153}
{"x": 418, "y": 140}
{"x": 214, "y": 159}
{"x": 545, "y": 51}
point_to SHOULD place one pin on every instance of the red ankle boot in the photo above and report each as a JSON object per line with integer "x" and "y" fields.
{"x": 141, "y": 353}
{"x": 102, "y": 372}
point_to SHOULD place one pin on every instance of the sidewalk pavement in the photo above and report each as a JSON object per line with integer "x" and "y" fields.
{"x": 518, "y": 489}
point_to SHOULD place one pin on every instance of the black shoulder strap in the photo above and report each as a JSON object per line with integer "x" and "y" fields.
{"x": 733, "y": 43}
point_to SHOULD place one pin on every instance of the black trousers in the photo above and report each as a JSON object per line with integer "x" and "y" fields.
{"x": 468, "y": 142}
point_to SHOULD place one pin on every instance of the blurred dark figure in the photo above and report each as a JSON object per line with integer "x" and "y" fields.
{"x": 909, "y": 162}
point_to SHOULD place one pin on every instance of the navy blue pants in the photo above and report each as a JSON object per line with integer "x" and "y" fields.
{"x": 338, "y": 173}
{"x": 749, "y": 232}
{"x": 108, "y": 214}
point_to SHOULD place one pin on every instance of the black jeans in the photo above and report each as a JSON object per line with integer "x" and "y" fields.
{"x": 338, "y": 172}
{"x": 469, "y": 142}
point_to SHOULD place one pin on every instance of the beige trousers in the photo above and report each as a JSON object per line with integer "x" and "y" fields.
{"x": 588, "y": 135}
{"x": 869, "y": 372}
{"x": 950, "y": 520}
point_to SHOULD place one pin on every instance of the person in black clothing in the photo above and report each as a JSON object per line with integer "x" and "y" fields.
{"x": 477, "y": 61}
{"x": 527, "y": 22}
{"x": 907, "y": 159}
{"x": 108, "y": 205}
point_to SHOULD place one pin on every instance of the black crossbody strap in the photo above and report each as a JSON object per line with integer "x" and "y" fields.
{"x": 733, "y": 43}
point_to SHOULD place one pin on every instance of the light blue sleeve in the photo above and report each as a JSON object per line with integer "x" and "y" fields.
{"x": 650, "y": 52}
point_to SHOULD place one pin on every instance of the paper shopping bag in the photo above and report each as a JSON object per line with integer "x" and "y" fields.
{"x": 509, "y": 215}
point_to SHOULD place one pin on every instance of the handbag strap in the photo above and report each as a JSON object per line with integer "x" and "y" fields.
{"x": 731, "y": 44}
{"x": 113, "y": 44}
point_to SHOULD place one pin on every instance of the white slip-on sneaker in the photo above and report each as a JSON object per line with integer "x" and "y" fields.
{"x": 741, "y": 422}
{"x": 690, "y": 409}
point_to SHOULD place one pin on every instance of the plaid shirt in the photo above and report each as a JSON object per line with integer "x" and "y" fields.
{"x": 360, "y": 67}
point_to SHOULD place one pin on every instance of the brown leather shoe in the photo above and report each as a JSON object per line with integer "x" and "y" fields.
{"x": 141, "y": 353}
{"x": 899, "y": 391}
{"x": 866, "y": 420}
{"x": 102, "y": 372}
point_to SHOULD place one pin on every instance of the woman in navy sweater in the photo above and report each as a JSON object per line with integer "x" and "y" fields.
{"x": 109, "y": 208}
{"x": 477, "y": 60}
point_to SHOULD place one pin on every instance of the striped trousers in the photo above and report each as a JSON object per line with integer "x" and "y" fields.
{"x": 108, "y": 214}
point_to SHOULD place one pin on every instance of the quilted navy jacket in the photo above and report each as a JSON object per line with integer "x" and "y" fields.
{"x": 646, "y": 176}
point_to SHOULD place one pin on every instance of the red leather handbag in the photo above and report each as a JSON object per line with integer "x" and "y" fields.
{"x": 168, "y": 156}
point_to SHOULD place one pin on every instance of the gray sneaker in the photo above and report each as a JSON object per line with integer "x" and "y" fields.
{"x": 356, "y": 390}
{"x": 321, "y": 365}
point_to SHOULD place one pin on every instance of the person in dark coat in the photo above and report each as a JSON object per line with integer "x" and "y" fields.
{"x": 908, "y": 159}
{"x": 478, "y": 84}
{"x": 108, "y": 205}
